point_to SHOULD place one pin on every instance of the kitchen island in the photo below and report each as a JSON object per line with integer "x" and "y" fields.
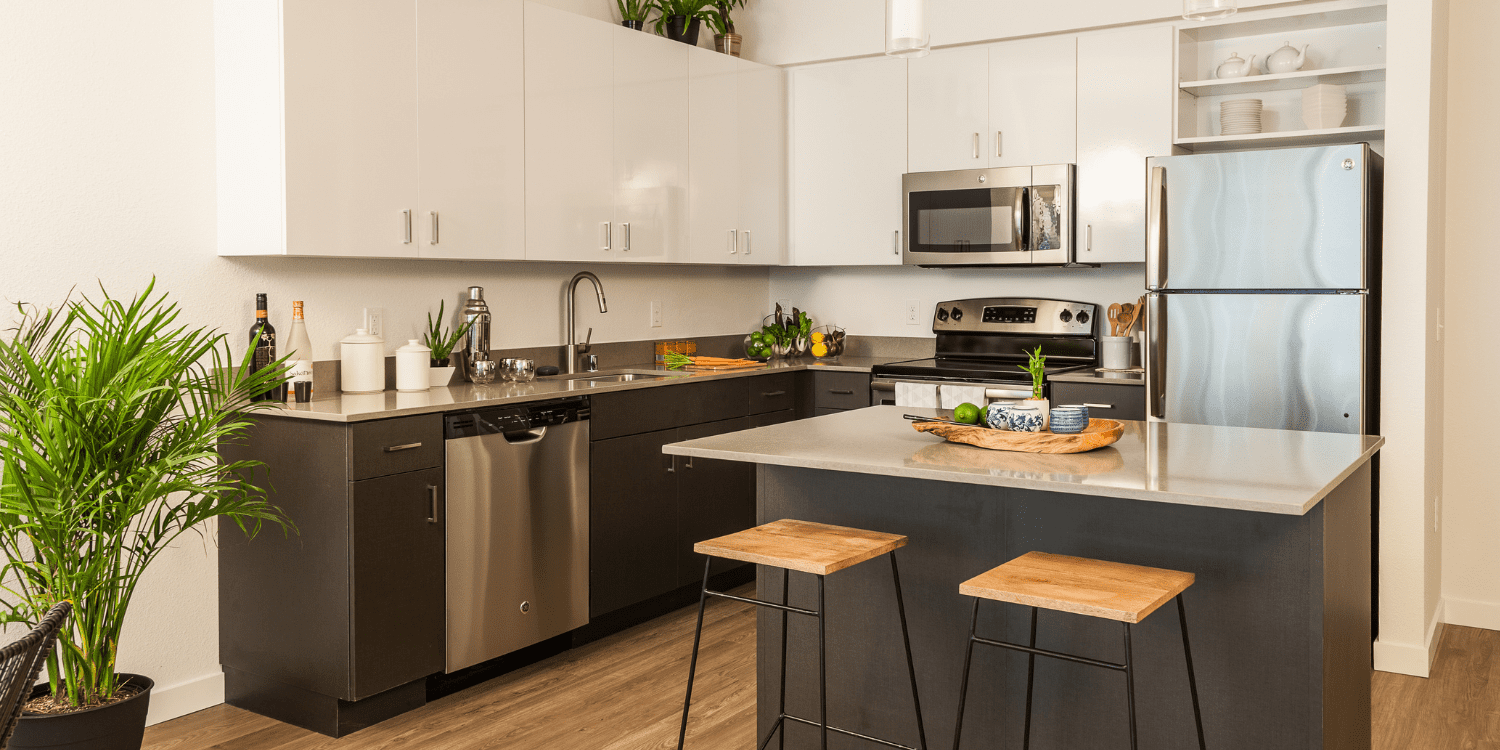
{"x": 1274, "y": 524}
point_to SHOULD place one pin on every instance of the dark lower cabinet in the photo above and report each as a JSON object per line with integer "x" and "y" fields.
{"x": 1104, "y": 401}
{"x": 714, "y": 498}
{"x": 632, "y": 520}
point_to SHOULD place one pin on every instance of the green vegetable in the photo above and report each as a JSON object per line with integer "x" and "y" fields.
{"x": 1037, "y": 366}
{"x": 678, "y": 360}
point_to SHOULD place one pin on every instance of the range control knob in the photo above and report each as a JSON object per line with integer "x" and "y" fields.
{"x": 942, "y": 314}
{"x": 1065, "y": 316}
{"x": 1083, "y": 317}
{"x": 957, "y": 315}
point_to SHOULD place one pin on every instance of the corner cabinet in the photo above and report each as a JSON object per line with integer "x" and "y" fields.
{"x": 848, "y": 155}
{"x": 343, "y": 130}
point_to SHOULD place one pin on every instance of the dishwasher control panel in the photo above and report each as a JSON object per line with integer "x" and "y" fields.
{"x": 516, "y": 418}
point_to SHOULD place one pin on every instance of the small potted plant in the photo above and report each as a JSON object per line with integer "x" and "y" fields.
{"x": 634, "y": 13}
{"x": 680, "y": 20}
{"x": 441, "y": 342}
{"x": 1037, "y": 366}
{"x": 725, "y": 38}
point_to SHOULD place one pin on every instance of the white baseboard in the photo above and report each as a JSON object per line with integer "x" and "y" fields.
{"x": 1470, "y": 613}
{"x": 1412, "y": 658}
{"x": 184, "y": 698}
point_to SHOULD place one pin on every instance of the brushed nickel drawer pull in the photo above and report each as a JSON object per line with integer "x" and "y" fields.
{"x": 407, "y": 447}
{"x": 1100, "y": 406}
{"x": 432, "y": 503}
{"x": 773, "y": 394}
{"x": 841, "y": 393}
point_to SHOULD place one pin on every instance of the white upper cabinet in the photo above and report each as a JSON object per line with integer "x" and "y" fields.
{"x": 848, "y": 154}
{"x": 1033, "y": 102}
{"x": 650, "y": 137}
{"x": 762, "y": 157}
{"x": 1125, "y": 90}
{"x": 948, "y": 110}
{"x": 472, "y": 129}
{"x": 570, "y": 128}
{"x": 317, "y": 127}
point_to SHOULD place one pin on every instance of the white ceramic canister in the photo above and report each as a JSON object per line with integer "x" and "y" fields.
{"x": 362, "y": 363}
{"x": 413, "y": 366}
{"x": 1115, "y": 353}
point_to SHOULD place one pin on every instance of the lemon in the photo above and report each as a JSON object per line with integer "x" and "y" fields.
{"x": 966, "y": 413}
{"x": 819, "y": 350}
{"x": 817, "y": 338}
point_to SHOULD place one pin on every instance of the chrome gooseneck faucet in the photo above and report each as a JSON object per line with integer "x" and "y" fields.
{"x": 574, "y": 349}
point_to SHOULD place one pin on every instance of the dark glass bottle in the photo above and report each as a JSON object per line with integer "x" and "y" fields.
{"x": 263, "y": 342}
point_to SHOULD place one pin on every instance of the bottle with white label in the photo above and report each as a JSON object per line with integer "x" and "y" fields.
{"x": 299, "y": 349}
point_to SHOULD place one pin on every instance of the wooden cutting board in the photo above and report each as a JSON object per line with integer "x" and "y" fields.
{"x": 1099, "y": 433}
{"x": 716, "y": 368}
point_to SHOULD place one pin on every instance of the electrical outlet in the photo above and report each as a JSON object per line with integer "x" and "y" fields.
{"x": 786, "y": 305}
{"x": 375, "y": 321}
{"x": 913, "y": 312}
{"x": 656, "y": 313}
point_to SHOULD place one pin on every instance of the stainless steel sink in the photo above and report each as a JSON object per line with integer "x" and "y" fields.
{"x": 623, "y": 377}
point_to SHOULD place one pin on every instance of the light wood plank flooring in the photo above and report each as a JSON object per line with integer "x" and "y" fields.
{"x": 625, "y": 692}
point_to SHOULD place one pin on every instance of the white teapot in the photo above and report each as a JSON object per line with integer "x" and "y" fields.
{"x": 1235, "y": 67}
{"x": 1287, "y": 59}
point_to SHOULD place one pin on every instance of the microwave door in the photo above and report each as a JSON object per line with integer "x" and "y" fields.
{"x": 969, "y": 226}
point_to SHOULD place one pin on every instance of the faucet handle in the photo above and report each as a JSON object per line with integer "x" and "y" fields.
{"x": 586, "y": 345}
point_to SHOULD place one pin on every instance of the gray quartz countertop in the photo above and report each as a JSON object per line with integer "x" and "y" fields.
{"x": 1238, "y": 468}
{"x": 360, "y": 407}
{"x": 1100, "y": 378}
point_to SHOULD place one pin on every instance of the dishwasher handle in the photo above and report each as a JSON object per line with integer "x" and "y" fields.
{"x": 525, "y": 438}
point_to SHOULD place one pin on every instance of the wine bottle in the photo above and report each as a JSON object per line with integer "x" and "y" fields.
{"x": 299, "y": 349}
{"x": 263, "y": 343}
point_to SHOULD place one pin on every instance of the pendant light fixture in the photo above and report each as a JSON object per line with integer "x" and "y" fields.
{"x": 906, "y": 28}
{"x": 1206, "y": 10}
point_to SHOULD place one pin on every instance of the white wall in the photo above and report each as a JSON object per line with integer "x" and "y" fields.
{"x": 108, "y": 174}
{"x": 1471, "y": 505}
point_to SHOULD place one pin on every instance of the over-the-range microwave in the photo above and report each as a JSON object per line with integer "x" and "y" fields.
{"x": 989, "y": 217}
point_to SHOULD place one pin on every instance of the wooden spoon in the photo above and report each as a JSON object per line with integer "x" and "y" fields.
{"x": 1140, "y": 312}
{"x": 1114, "y": 319}
{"x": 1127, "y": 318}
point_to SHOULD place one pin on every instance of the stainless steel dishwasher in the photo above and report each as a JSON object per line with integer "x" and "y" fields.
{"x": 517, "y": 527}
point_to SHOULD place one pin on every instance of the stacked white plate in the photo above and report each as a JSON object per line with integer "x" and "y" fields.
{"x": 1239, "y": 117}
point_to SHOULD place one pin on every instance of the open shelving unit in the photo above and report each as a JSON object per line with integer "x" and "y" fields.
{"x": 1346, "y": 48}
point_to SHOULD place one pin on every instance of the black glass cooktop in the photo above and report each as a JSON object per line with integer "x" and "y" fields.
{"x": 989, "y": 370}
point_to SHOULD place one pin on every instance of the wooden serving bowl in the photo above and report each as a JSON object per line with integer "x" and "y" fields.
{"x": 1099, "y": 433}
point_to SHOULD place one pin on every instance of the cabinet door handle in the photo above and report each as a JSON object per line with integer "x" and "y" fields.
{"x": 734, "y": 242}
{"x": 609, "y": 238}
{"x": 999, "y": 143}
{"x": 398, "y": 448}
{"x": 1100, "y": 406}
{"x": 976, "y": 145}
{"x": 896, "y": 245}
{"x": 773, "y": 394}
{"x": 626, "y": 226}
{"x": 747, "y": 242}
{"x": 841, "y": 393}
{"x": 1088, "y": 238}
{"x": 689, "y": 463}
{"x": 434, "y": 227}
{"x": 407, "y": 215}
{"x": 432, "y": 503}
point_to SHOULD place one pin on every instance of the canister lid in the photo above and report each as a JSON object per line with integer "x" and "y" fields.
{"x": 413, "y": 345}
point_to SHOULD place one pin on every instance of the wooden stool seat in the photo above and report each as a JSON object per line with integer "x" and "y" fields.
{"x": 803, "y": 546}
{"x": 1096, "y": 588}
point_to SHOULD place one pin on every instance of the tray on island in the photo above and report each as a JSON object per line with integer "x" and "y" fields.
{"x": 1099, "y": 433}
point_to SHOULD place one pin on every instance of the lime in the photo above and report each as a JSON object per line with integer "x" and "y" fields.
{"x": 966, "y": 413}
{"x": 757, "y": 337}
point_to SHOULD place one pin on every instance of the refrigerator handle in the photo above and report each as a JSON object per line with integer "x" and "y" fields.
{"x": 1156, "y": 230}
{"x": 1156, "y": 356}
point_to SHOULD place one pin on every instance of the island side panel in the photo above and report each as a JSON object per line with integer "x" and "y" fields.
{"x": 1347, "y": 630}
{"x": 1260, "y": 589}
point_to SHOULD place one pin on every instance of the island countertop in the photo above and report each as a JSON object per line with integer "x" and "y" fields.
{"x": 1237, "y": 468}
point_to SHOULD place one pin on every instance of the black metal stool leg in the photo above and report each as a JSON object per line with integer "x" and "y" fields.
{"x": 963, "y": 685}
{"x": 786, "y": 582}
{"x": 822, "y": 666}
{"x": 1187, "y": 652}
{"x": 687, "y": 702}
{"x": 911, "y": 668}
{"x": 1130, "y": 686}
{"x": 1030, "y": 676}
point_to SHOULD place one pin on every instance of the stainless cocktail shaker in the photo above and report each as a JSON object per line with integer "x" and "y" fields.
{"x": 477, "y": 342}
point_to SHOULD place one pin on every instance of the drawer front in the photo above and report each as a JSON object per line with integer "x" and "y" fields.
{"x": 667, "y": 406}
{"x": 395, "y": 446}
{"x": 770, "y": 393}
{"x": 1104, "y": 401}
{"x": 841, "y": 390}
{"x": 775, "y": 417}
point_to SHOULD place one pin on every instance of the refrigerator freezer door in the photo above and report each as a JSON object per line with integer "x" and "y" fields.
{"x": 1280, "y": 219}
{"x": 1280, "y": 361}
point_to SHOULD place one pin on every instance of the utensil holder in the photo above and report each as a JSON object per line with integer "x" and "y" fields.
{"x": 1116, "y": 353}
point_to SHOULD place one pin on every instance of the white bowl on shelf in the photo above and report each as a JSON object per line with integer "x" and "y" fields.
{"x": 1324, "y": 106}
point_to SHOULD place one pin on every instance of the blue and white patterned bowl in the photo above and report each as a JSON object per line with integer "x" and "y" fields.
{"x": 1025, "y": 419}
{"x": 1067, "y": 421}
{"x": 996, "y": 415}
{"x": 1079, "y": 407}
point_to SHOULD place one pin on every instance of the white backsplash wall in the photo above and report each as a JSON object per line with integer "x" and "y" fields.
{"x": 872, "y": 301}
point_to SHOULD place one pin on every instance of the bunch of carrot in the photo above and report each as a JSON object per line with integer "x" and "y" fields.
{"x": 676, "y": 361}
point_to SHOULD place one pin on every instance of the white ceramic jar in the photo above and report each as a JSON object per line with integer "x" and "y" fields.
{"x": 413, "y": 365}
{"x": 362, "y": 363}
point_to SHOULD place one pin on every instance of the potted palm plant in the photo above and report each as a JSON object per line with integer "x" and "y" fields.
{"x": 725, "y": 38}
{"x": 634, "y": 13}
{"x": 111, "y": 413}
{"x": 680, "y": 20}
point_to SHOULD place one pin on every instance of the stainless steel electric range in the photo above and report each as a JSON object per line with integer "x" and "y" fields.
{"x": 985, "y": 341}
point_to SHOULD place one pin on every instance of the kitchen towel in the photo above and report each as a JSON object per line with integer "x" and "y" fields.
{"x": 953, "y": 395}
{"x": 924, "y": 395}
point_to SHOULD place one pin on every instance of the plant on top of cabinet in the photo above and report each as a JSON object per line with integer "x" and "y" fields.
{"x": 725, "y": 38}
{"x": 680, "y": 20}
{"x": 635, "y": 13}
{"x": 111, "y": 414}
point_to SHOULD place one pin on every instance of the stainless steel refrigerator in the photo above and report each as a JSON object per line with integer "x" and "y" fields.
{"x": 1262, "y": 271}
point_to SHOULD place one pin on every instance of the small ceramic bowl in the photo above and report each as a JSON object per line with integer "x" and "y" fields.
{"x": 1079, "y": 407}
{"x": 996, "y": 415}
{"x": 1025, "y": 419}
{"x": 1068, "y": 421}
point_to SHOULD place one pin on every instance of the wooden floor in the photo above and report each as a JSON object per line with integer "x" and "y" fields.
{"x": 626, "y": 692}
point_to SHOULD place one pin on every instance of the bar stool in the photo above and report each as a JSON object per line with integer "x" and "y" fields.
{"x": 813, "y": 548}
{"x": 1094, "y": 588}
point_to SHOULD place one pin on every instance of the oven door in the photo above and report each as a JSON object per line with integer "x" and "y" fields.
{"x": 968, "y": 217}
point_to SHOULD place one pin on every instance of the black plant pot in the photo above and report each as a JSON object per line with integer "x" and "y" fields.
{"x": 440, "y": 362}
{"x": 637, "y": 25}
{"x": 118, "y": 726}
{"x": 679, "y": 30}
